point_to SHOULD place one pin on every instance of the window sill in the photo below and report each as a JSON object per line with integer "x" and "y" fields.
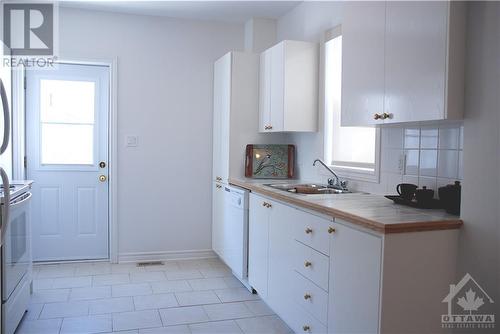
{"x": 357, "y": 174}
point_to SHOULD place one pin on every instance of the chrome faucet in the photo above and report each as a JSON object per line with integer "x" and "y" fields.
{"x": 335, "y": 183}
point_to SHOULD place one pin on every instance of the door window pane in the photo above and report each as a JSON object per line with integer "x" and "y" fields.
{"x": 67, "y": 115}
{"x": 67, "y": 144}
{"x": 63, "y": 101}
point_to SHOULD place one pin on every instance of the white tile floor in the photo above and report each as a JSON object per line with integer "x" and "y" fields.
{"x": 191, "y": 296}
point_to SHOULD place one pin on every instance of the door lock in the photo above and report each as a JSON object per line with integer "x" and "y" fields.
{"x": 102, "y": 178}
{"x": 102, "y": 164}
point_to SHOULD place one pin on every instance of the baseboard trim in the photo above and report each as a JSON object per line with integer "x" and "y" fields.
{"x": 165, "y": 256}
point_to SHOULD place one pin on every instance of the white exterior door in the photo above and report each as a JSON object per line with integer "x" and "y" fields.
{"x": 67, "y": 157}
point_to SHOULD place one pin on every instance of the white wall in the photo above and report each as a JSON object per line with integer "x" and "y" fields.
{"x": 480, "y": 237}
{"x": 480, "y": 240}
{"x": 165, "y": 73}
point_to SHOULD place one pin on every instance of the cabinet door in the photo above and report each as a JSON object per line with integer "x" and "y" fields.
{"x": 265, "y": 91}
{"x": 355, "y": 268}
{"x": 362, "y": 63}
{"x": 416, "y": 43}
{"x": 217, "y": 218}
{"x": 222, "y": 106}
{"x": 277, "y": 86}
{"x": 258, "y": 244}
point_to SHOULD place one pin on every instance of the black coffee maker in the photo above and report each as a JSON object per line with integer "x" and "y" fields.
{"x": 449, "y": 196}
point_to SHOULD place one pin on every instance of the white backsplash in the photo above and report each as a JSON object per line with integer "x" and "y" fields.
{"x": 426, "y": 156}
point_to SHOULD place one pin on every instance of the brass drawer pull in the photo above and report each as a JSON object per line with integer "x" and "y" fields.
{"x": 308, "y": 230}
{"x": 307, "y": 296}
{"x": 307, "y": 264}
{"x": 331, "y": 230}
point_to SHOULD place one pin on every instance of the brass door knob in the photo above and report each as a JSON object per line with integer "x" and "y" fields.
{"x": 307, "y": 264}
{"x": 307, "y": 296}
{"x": 102, "y": 178}
{"x": 308, "y": 230}
{"x": 331, "y": 230}
{"x": 306, "y": 328}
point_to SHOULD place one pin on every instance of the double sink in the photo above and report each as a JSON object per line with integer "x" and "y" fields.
{"x": 308, "y": 188}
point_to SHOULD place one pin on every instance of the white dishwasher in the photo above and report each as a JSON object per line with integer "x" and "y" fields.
{"x": 234, "y": 243}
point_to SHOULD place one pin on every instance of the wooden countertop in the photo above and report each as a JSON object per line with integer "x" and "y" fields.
{"x": 371, "y": 211}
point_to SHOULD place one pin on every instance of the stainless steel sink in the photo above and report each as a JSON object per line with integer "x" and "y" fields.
{"x": 307, "y": 188}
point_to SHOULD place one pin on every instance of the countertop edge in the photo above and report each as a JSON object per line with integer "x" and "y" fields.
{"x": 354, "y": 219}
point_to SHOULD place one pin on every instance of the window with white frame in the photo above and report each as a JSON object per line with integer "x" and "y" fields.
{"x": 352, "y": 151}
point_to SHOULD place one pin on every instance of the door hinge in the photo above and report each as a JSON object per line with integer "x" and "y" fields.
{"x": 25, "y": 162}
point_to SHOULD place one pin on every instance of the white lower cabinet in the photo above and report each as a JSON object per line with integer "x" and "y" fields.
{"x": 355, "y": 264}
{"x": 325, "y": 275}
{"x": 217, "y": 216}
{"x": 258, "y": 244}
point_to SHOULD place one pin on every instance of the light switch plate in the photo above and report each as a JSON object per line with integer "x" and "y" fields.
{"x": 132, "y": 141}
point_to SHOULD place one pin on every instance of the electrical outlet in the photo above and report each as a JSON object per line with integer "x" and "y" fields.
{"x": 132, "y": 141}
{"x": 402, "y": 162}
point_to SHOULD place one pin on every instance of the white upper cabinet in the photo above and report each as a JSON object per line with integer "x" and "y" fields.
{"x": 235, "y": 121}
{"x": 289, "y": 88}
{"x": 362, "y": 62}
{"x": 402, "y": 62}
{"x": 222, "y": 108}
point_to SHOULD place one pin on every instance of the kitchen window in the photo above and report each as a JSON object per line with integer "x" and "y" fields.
{"x": 353, "y": 152}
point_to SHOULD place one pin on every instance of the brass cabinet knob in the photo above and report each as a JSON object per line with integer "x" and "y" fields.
{"x": 218, "y": 186}
{"x": 269, "y": 205}
{"x": 385, "y": 116}
{"x": 308, "y": 230}
{"x": 377, "y": 116}
{"x": 270, "y": 127}
{"x": 102, "y": 178}
{"x": 307, "y": 296}
{"x": 306, "y": 328}
{"x": 264, "y": 204}
{"x": 218, "y": 178}
{"x": 331, "y": 230}
{"x": 307, "y": 264}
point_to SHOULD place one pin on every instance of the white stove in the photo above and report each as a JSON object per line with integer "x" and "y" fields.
{"x": 16, "y": 259}
{"x": 16, "y": 188}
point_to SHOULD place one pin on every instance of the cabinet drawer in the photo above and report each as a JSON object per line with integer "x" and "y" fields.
{"x": 310, "y": 297}
{"x": 312, "y": 231}
{"x": 311, "y": 264}
{"x": 300, "y": 321}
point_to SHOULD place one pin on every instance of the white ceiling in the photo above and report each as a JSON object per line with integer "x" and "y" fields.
{"x": 225, "y": 11}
